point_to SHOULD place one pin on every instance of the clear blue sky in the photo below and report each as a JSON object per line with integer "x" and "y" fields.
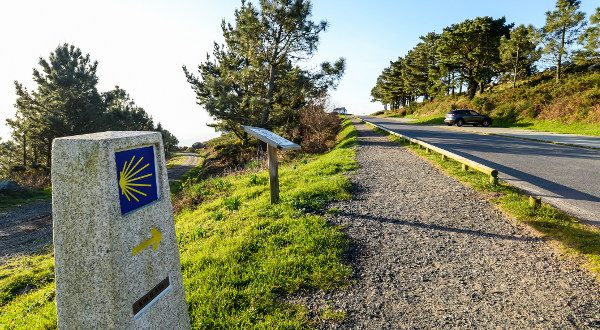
{"x": 141, "y": 45}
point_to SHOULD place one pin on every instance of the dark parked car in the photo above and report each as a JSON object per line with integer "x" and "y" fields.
{"x": 463, "y": 116}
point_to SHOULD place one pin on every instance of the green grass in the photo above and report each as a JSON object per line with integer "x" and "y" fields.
{"x": 175, "y": 161}
{"x": 240, "y": 256}
{"x": 428, "y": 120}
{"x": 327, "y": 313}
{"x": 575, "y": 239}
{"x": 554, "y": 126}
{"x": 27, "y": 293}
{"x": 10, "y": 200}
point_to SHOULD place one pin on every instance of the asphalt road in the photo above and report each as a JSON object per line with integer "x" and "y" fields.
{"x": 566, "y": 177}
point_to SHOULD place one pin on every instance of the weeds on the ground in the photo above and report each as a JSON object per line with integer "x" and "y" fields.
{"x": 176, "y": 160}
{"x": 329, "y": 314}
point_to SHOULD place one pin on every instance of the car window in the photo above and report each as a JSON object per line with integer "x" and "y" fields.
{"x": 473, "y": 113}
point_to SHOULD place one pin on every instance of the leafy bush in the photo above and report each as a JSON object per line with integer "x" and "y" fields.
{"x": 318, "y": 128}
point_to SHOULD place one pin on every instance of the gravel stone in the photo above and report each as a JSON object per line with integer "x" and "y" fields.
{"x": 429, "y": 252}
{"x": 25, "y": 229}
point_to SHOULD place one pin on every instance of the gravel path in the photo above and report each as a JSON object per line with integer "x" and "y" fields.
{"x": 25, "y": 229}
{"x": 191, "y": 160}
{"x": 432, "y": 253}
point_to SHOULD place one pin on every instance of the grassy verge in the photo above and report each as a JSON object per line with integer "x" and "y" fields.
{"x": 553, "y": 126}
{"x": 538, "y": 103}
{"x": 574, "y": 239}
{"x": 9, "y": 200}
{"x": 240, "y": 256}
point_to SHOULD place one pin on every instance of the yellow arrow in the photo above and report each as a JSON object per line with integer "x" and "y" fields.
{"x": 153, "y": 241}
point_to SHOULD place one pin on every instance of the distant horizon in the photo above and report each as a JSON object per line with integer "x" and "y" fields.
{"x": 141, "y": 46}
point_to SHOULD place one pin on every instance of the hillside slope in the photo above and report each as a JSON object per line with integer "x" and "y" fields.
{"x": 539, "y": 103}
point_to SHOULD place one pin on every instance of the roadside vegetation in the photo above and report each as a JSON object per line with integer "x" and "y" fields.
{"x": 11, "y": 199}
{"x": 573, "y": 238}
{"x": 241, "y": 256}
{"x": 492, "y": 66}
{"x": 538, "y": 103}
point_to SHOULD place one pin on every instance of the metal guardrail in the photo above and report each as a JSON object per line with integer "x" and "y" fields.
{"x": 466, "y": 163}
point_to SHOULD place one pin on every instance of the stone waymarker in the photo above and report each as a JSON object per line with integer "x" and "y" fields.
{"x": 273, "y": 142}
{"x": 117, "y": 262}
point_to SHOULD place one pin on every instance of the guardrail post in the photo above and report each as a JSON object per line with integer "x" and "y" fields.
{"x": 535, "y": 202}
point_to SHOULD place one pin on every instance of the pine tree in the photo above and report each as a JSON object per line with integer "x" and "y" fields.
{"x": 519, "y": 52}
{"x": 255, "y": 78}
{"x": 65, "y": 102}
{"x": 471, "y": 48}
{"x": 562, "y": 29}
{"x": 590, "y": 39}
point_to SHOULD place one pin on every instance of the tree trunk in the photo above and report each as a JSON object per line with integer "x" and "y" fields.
{"x": 471, "y": 88}
{"x": 49, "y": 154}
{"x": 24, "y": 150}
{"x": 516, "y": 65}
{"x": 267, "y": 110}
{"x": 561, "y": 49}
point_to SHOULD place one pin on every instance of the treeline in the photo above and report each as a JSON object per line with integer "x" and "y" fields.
{"x": 66, "y": 102}
{"x": 478, "y": 53}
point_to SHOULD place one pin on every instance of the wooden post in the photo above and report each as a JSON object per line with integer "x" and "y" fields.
{"x": 273, "y": 142}
{"x": 273, "y": 174}
{"x": 535, "y": 202}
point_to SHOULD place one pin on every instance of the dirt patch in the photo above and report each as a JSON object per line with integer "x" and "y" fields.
{"x": 25, "y": 229}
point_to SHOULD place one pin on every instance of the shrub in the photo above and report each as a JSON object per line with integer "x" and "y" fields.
{"x": 318, "y": 128}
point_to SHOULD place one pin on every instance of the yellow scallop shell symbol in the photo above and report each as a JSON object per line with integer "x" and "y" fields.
{"x": 127, "y": 181}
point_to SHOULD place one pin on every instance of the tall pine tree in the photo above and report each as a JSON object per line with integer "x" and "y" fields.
{"x": 519, "y": 52}
{"x": 255, "y": 78}
{"x": 563, "y": 27}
